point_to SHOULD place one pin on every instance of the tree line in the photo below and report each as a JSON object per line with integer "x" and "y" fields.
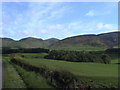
{"x": 77, "y": 56}
{"x": 24, "y": 50}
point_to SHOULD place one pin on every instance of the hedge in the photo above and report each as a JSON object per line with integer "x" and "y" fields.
{"x": 59, "y": 78}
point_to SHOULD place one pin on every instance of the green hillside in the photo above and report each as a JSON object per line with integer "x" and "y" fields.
{"x": 106, "y": 40}
{"x": 29, "y": 42}
{"x": 80, "y": 42}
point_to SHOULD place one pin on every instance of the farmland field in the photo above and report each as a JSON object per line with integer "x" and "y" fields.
{"x": 100, "y": 74}
{"x": 92, "y": 74}
{"x": 80, "y": 48}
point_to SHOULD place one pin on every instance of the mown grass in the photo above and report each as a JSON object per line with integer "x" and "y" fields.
{"x": 32, "y": 79}
{"x": 94, "y": 74}
{"x": 12, "y": 79}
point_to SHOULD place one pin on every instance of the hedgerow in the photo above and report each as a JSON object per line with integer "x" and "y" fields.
{"x": 59, "y": 78}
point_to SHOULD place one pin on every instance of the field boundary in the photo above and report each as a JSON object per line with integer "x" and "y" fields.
{"x": 54, "y": 76}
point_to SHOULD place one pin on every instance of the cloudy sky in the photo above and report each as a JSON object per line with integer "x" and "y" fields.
{"x": 57, "y": 19}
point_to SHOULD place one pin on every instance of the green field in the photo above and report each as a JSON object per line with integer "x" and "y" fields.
{"x": 80, "y": 48}
{"x": 93, "y": 74}
{"x": 12, "y": 78}
{"x": 101, "y": 74}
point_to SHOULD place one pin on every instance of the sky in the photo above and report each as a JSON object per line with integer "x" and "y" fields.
{"x": 57, "y": 19}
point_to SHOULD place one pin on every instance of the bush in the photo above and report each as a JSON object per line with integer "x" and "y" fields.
{"x": 63, "y": 78}
{"x": 105, "y": 58}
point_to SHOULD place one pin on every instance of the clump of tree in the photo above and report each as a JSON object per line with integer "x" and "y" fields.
{"x": 24, "y": 50}
{"x": 76, "y": 56}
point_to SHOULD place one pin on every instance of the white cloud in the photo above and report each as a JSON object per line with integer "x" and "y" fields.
{"x": 55, "y": 27}
{"x": 90, "y": 13}
{"x": 43, "y": 31}
{"x": 26, "y": 32}
{"x": 105, "y": 26}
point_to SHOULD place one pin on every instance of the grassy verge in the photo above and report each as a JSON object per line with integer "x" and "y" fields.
{"x": 32, "y": 79}
{"x": 12, "y": 79}
{"x": 17, "y": 77}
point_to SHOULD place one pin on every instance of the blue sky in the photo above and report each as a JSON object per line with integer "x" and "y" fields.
{"x": 57, "y": 19}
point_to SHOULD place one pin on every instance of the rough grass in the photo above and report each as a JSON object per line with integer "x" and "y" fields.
{"x": 12, "y": 79}
{"x": 22, "y": 78}
{"x": 32, "y": 79}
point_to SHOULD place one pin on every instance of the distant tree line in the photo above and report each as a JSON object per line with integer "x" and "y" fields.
{"x": 24, "y": 50}
{"x": 76, "y": 56}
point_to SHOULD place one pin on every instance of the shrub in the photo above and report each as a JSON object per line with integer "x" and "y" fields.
{"x": 105, "y": 58}
{"x": 63, "y": 78}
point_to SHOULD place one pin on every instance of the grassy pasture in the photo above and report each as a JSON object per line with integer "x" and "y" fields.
{"x": 80, "y": 48}
{"x": 94, "y": 74}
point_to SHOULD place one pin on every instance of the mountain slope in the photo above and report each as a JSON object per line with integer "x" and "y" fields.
{"x": 106, "y": 40}
{"x": 52, "y": 40}
{"x": 110, "y": 39}
{"x": 32, "y": 42}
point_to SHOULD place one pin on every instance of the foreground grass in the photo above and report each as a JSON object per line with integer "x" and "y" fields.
{"x": 12, "y": 79}
{"x": 32, "y": 79}
{"x": 94, "y": 74}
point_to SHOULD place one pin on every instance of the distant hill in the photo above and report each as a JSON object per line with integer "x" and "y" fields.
{"x": 32, "y": 42}
{"x": 105, "y": 40}
{"x": 52, "y": 40}
{"x": 90, "y": 41}
{"x": 29, "y": 42}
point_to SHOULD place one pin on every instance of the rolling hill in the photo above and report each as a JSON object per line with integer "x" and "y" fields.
{"x": 28, "y": 42}
{"x": 92, "y": 41}
{"x": 105, "y": 40}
